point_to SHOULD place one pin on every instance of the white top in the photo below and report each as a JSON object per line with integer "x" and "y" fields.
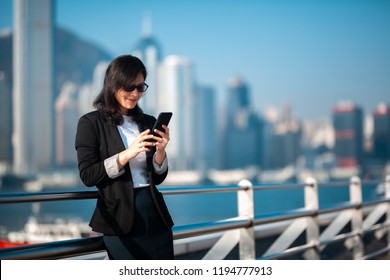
{"x": 128, "y": 132}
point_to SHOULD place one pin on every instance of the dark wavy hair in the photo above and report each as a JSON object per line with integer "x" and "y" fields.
{"x": 121, "y": 73}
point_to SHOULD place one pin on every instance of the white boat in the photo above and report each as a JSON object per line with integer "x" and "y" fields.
{"x": 232, "y": 176}
{"x": 38, "y": 232}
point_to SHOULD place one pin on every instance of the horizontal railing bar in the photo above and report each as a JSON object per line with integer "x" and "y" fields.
{"x": 54, "y": 250}
{"x": 376, "y": 253}
{"x": 288, "y": 252}
{"x": 282, "y": 216}
{"x": 200, "y": 189}
{"x": 301, "y": 185}
{"x": 347, "y": 183}
{"x": 278, "y": 187}
{"x": 339, "y": 207}
{"x": 333, "y": 184}
{"x": 184, "y": 231}
{"x": 197, "y": 189}
{"x": 40, "y": 197}
{"x": 55, "y": 196}
{"x": 375, "y": 202}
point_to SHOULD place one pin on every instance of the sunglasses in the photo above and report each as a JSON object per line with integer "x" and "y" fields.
{"x": 140, "y": 88}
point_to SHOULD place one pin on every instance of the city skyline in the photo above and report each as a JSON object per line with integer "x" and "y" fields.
{"x": 312, "y": 55}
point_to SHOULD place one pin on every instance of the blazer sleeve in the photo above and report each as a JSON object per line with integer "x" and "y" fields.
{"x": 159, "y": 178}
{"x": 91, "y": 166}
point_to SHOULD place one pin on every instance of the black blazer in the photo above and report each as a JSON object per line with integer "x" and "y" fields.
{"x": 98, "y": 138}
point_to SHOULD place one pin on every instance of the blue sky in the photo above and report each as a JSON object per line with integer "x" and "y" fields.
{"x": 310, "y": 53}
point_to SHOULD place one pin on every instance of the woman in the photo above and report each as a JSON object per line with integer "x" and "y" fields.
{"x": 117, "y": 153}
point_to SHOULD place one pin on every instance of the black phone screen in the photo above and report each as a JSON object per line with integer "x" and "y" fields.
{"x": 163, "y": 118}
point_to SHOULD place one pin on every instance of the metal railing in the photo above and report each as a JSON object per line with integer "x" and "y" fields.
{"x": 361, "y": 218}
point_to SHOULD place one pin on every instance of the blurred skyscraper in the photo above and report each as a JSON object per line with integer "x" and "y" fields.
{"x": 317, "y": 144}
{"x": 6, "y": 121}
{"x": 242, "y": 134}
{"x": 283, "y": 137}
{"x": 89, "y": 91}
{"x": 33, "y": 86}
{"x": 149, "y": 51}
{"x": 205, "y": 128}
{"x": 348, "y": 126}
{"x": 238, "y": 97}
{"x": 176, "y": 94}
{"x": 381, "y": 133}
{"x": 67, "y": 115}
{"x": 172, "y": 88}
{"x": 72, "y": 102}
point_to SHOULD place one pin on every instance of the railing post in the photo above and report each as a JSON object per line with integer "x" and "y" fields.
{"x": 313, "y": 230}
{"x": 356, "y": 197}
{"x": 387, "y": 195}
{"x": 245, "y": 205}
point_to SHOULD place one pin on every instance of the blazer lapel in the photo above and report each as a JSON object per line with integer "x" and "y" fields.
{"x": 115, "y": 145}
{"x": 114, "y": 141}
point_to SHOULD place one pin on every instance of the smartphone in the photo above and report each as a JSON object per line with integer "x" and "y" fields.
{"x": 163, "y": 118}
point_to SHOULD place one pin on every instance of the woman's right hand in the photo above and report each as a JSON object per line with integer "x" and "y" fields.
{"x": 139, "y": 145}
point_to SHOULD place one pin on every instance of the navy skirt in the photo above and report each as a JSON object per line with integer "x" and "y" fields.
{"x": 149, "y": 238}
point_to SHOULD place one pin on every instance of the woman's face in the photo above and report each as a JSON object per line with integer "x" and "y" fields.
{"x": 128, "y": 99}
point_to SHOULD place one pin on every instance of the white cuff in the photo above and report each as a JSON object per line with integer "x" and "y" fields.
{"x": 111, "y": 166}
{"x": 160, "y": 169}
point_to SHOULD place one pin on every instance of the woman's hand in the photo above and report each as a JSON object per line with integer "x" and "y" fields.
{"x": 139, "y": 145}
{"x": 161, "y": 144}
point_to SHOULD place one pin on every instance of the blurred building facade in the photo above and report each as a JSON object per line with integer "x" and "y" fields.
{"x": 241, "y": 141}
{"x": 348, "y": 126}
{"x": 6, "y": 151}
{"x": 67, "y": 115}
{"x": 33, "y": 86}
{"x": 283, "y": 138}
{"x": 205, "y": 128}
{"x": 73, "y": 101}
{"x": 176, "y": 94}
{"x": 149, "y": 51}
{"x": 172, "y": 87}
{"x": 381, "y": 133}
